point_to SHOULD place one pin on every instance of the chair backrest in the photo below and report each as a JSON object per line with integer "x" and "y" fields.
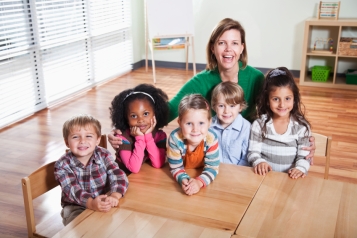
{"x": 36, "y": 184}
{"x": 103, "y": 142}
{"x": 323, "y": 147}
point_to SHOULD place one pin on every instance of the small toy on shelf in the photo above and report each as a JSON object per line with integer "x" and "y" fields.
{"x": 328, "y": 42}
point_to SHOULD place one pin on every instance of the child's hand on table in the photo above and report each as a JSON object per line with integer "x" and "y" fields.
{"x": 191, "y": 186}
{"x": 262, "y": 168}
{"x": 114, "y": 199}
{"x": 295, "y": 173}
{"x": 99, "y": 204}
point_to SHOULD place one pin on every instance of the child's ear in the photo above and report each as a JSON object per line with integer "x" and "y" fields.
{"x": 240, "y": 108}
{"x": 178, "y": 121}
{"x": 66, "y": 142}
{"x": 98, "y": 140}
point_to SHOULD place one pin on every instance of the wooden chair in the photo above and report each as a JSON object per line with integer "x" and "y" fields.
{"x": 36, "y": 184}
{"x": 323, "y": 147}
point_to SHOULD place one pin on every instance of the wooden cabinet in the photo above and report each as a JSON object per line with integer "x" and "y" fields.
{"x": 316, "y": 30}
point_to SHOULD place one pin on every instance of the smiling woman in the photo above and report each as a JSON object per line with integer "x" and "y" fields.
{"x": 226, "y": 61}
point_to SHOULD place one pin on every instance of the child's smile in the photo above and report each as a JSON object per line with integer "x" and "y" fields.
{"x": 140, "y": 114}
{"x": 194, "y": 125}
{"x": 226, "y": 113}
{"x": 281, "y": 102}
{"x": 82, "y": 142}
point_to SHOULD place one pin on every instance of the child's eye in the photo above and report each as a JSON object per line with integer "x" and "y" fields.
{"x": 220, "y": 106}
{"x": 74, "y": 137}
{"x": 146, "y": 113}
{"x": 287, "y": 99}
{"x": 202, "y": 123}
{"x": 133, "y": 116}
{"x": 188, "y": 123}
{"x": 89, "y": 136}
{"x": 233, "y": 105}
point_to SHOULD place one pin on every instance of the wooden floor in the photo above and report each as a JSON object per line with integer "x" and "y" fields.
{"x": 37, "y": 140}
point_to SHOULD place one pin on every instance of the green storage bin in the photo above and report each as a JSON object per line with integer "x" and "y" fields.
{"x": 320, "y": 73}
{"x": 351, "y": 76}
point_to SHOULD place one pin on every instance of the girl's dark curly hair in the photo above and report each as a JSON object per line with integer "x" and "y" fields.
{"x": 119, "y": 108}
{"x": 272, "y": 82}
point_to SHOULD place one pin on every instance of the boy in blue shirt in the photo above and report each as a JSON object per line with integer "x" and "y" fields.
{"x": 231, "y": 128}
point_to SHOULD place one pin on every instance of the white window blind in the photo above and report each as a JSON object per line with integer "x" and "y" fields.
{"x": 51, "y": 49}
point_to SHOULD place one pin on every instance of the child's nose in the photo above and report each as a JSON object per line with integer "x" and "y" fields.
{"x": 140, "y": 119}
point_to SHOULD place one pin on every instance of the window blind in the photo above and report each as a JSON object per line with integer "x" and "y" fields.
{"x": 52, "y": 49}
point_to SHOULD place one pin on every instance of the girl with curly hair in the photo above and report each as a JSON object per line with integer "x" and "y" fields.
{"x": 139, "y": 113}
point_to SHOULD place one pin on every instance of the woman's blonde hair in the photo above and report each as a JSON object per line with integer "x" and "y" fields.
{"x": 193, "y": 101}
{"x": 232, "y": 93}
{"x": 81, "y": 120}
{"x": 223, "y": 26}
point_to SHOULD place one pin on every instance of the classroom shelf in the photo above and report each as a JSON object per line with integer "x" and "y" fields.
{"x": 334, "y": 29}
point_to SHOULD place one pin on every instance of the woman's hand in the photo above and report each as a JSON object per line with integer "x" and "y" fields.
{"x": 312, "y": 149}
{"x": 152, "y": 125}
{"x": 114, "y": 140}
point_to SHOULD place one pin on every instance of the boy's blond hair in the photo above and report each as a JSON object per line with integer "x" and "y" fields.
{"x": 232, "y": 93}
{"x": 82, "y": 120}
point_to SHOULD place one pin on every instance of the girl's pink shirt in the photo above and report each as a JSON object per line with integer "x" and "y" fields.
{"x": 134, "y": 160}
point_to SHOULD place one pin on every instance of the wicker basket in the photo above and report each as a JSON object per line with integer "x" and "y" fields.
{"x": 347, "y": 46}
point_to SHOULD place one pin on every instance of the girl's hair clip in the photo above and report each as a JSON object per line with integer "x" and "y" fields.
{"x": 141, "y": 93}
{"x": 276, "y": 72}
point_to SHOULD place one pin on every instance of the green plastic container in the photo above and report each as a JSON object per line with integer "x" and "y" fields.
{"x": 351, "y": 78}
{"x": 320, "y": 73}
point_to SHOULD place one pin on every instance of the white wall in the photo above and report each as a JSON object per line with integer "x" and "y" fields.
{"x": 274, "y": 28}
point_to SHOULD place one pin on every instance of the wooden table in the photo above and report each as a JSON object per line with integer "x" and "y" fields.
{"x": 220, "y": 205}
{"x": 309, "y": 207}
{"x": 120, "y": 222}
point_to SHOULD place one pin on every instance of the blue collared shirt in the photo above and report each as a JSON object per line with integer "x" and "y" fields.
{"x": 233, "y": 140}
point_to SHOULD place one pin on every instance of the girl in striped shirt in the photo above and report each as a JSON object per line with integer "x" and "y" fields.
{"x": 281, "y": 131}
{"x": 193, "y": 145}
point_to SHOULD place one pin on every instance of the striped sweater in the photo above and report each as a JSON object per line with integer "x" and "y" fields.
{"x": 282, "y": 152}
{"x": 176, "y": 152}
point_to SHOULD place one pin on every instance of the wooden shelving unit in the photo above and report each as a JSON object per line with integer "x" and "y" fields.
{"x": 332, "y": 29}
